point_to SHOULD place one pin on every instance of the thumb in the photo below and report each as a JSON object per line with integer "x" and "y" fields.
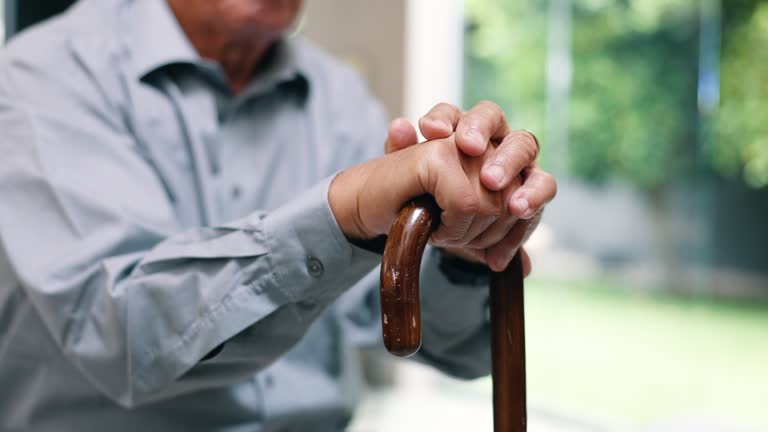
{"x": 401, "y": 134}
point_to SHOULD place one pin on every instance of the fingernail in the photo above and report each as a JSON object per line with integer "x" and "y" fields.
{"x": 395, "y": 134}
{"x": 521, "y": 206}
{"x": 528, "y": 214}
{"x": 496, "y": 172}
{"x": 476, "y": 136}
{"x": 436, "y": 124}
{"x": 443, "y": 125}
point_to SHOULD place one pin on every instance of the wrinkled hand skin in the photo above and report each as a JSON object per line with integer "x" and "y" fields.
{"x": 513, "y": 165}
{"x": 366, "y": 198}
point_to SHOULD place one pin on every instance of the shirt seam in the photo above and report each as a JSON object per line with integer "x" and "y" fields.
{"x": 206, "y": 320}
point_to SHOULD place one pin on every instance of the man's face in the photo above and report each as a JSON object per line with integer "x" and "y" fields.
{"x": 263, "y": 17}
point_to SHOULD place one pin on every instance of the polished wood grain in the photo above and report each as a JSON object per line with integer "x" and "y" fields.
{"x": 401, "y": 313}
{"x": 508, "y": 348}
{"x": 400, "y": 307}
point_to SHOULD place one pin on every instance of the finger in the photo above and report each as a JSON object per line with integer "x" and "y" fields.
{"x": 538, "y": 189}
{"x": 401, "y": 134}
{"x": 500, "y": 254}
{"x": 440, "y": 121}
{"x": 484, "y": 122}
{"x": 479, "y": 226}
{"x": 526, "y": 260}
{"x": 493, "y": 234}
{"x": 456, "y": 196}
{"x": 455, "y": 221}
{"x": 492, "y": 205}
{"x": 518, "y": 150}
{"x": 501, "y": 227}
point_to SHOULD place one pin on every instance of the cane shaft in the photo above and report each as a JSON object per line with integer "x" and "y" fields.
{"x": 508, "y": 348}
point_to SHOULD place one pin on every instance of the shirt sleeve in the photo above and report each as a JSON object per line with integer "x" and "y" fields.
{"x": 455, "y": 325}
{"x": 131, "y": 299}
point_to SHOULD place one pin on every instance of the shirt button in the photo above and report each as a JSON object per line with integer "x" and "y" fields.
{"x": 315, "y": 267}
{"x": 236, "y": 192}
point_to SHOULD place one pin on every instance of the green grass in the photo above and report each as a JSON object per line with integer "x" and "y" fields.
{"x": 600, "y": 353}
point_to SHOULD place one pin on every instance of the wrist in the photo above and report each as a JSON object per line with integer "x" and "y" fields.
{"x": 366, "y": 198}
{"x": 344, "y": 203}
{"x": 462, "y": 271}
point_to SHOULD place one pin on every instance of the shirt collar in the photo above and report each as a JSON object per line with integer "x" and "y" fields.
{"x": 155, "y": 38}
{"x": 282, "y": 66}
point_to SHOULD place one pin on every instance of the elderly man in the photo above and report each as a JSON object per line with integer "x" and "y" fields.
{"x": 187, "y": 199}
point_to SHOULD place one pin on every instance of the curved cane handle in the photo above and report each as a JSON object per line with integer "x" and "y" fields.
{"x": 400, "y": 310}
{"x": 401, "y": 313}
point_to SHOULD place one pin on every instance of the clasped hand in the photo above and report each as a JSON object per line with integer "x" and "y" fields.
{"x": 483, "y": 176}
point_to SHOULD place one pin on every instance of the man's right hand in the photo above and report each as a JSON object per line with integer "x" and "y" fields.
{"x": 366, "y": 198}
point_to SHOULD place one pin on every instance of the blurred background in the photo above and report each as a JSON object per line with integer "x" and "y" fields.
{"x": 648, "y": 306}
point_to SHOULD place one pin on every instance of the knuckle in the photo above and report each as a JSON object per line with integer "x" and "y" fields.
{"x": 493, "y": 109}
{"x": 488, "y": 104}
{"x": 528, "y": 139}
{"x": 501, "y": 206}
{"x": 489, "y": 213}
{"x": 493, "y": 209}
{"x": 493, "y": 213}
{"x": 438, "y": 238}
{"x": 454, "y": 238}
{"x": 442, "y": 154}
{"x": 527, "y": 148}
{"x": 496, "y": 211}
{"x": 468, "y": 205}
{"x": 446, "y": 237}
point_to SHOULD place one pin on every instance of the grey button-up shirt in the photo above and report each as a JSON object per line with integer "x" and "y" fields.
{"x": 148, "y": 217}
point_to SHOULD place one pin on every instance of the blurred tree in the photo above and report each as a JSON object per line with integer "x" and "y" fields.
{"x": 741, "y": 123}
{"x": 634, "y": 87}
{"x": 506, "y": 53}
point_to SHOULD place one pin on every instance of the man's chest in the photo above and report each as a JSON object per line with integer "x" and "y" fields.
{"x": 222, "y": 164}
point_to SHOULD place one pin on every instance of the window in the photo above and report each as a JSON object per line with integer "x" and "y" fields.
{"x": 650, "y": 268}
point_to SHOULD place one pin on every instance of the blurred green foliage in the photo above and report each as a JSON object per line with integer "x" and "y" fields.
{"x": 633, "y": 98}
{"x": 742, "y": 120}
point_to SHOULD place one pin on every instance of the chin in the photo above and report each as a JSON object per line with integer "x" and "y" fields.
{"x": 267, "y": 17}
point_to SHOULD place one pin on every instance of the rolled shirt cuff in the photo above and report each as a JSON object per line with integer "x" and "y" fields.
{"x": 311, "y": 257}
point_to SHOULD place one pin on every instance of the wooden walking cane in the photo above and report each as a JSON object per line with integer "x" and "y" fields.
{"x": 401, "y": 316}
